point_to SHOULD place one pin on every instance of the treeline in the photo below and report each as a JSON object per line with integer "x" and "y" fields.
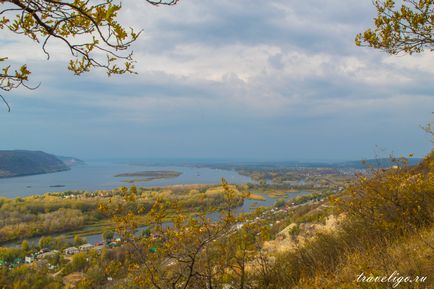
{"x": 16, "y": 226}
{"x": 38, "y": 215}
{"x": 43, "y": 204}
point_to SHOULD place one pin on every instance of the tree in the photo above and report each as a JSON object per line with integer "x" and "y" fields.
{"x": 89, "y": 29}
{"x": 45, "y": 242}
{"x": 184, "y": 250}
{"x": 280, "y": 203}
{"x": 79, "y": 240}
{"x": 78, "y": 263}
{"x": 108, "y": 235}
{"x": 25, "y": 245}
{"x": 404, "y": 28}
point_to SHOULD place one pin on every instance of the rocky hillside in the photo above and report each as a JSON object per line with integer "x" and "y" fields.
{"x": 21, "y": 163}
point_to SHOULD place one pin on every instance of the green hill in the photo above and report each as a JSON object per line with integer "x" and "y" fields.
{"x": 16, "y": 163}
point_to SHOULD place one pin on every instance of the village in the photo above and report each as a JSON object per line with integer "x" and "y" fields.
{"x": 41, "y": 258}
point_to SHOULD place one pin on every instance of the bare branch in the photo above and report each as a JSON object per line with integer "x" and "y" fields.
{"x": 6, "y": 103}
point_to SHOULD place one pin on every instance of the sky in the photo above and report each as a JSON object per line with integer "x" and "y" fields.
{"x": 242, "y": 80}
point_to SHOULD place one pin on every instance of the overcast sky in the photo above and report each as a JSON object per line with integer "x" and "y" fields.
{"x": 246, "y": 79}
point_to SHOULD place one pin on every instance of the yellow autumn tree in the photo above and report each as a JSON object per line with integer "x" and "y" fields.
{"x": 401, "y": 26}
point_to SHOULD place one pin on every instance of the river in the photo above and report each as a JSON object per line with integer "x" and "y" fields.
{"x": 100, "y": 176}
{"x": 248, "y": 206}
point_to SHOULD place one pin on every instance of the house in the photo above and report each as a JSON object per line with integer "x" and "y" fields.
{"x": 85, "y": 247}
{"x": 112, "y": 245}
{"x": 47, "y": 255}
{"x": 71, "y": 251}
{"x": 29, "y": 259}
{"x": 237, "y": 226}
{"x": 99, "y": 248}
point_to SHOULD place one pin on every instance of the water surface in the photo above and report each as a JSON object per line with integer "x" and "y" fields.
{"x": 100, "y": 176}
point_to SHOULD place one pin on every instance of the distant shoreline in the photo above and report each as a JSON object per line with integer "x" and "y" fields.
{"x": 35, "y": 174}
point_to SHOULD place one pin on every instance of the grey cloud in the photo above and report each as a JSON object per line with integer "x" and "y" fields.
{"x": 281, "y": 71}
{"x": 312, "y": 26}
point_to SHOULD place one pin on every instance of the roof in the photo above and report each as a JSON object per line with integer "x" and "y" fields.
{"x": 48, "y": 254}
{"x": 86, "y": 246}
{"x": 71, "y": 249}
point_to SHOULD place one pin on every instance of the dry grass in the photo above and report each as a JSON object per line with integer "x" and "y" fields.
{"x": 72, "y": 279}
{"x": 410, "y": 256}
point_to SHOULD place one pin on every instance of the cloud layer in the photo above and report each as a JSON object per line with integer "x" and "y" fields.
{"x": 231, "y": 79}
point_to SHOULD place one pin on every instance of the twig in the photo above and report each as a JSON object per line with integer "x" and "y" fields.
{"x": 7, "y": 104}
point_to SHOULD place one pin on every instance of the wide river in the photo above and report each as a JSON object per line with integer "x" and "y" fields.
{"x": 100, "y": 176}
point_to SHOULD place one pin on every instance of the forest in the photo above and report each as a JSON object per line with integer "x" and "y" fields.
{"x": 22, "y": 218}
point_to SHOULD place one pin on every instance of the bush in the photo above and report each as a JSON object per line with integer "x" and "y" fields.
{"x": 393, "y": 201}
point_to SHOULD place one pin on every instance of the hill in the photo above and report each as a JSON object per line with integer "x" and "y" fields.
{"x": 16, "y": 163}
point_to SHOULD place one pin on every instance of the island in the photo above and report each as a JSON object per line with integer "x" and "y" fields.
{"x": 147, "y": 176}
